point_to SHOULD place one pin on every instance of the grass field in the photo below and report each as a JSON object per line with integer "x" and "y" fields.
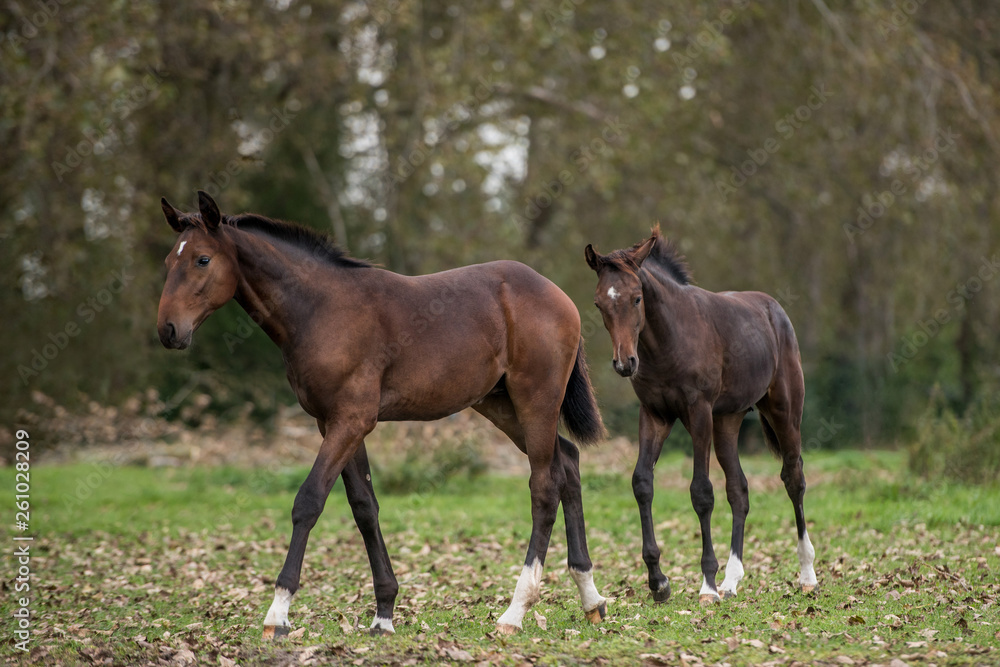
{"x": 136, "y": 565}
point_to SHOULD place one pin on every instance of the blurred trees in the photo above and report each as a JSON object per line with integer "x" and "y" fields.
{"x": 840, "y": 156}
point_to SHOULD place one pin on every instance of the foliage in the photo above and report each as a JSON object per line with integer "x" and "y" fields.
{"x": 177, "y": 565}
{"x": 840, "y": 156}
{"x": 961, "y": 447}
{"x": 427, "y": 465}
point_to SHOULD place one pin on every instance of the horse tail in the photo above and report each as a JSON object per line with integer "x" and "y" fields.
{"x": 579, "y": 407}
{"x": 770, "y": 437}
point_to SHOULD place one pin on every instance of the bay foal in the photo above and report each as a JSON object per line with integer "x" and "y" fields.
{"x": 705, "y": 359}
{"x": 363, "y": 345}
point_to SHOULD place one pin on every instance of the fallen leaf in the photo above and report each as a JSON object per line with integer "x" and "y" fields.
{"x": 461, "y": 655}
{"x": 844, "y": 660}
{"x": 542, "y": 623}
{"x": 184, "y": 657}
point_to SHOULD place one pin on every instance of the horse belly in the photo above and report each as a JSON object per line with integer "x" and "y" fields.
{"x": 431, "y": 386}
{"x": 746, "y": 382}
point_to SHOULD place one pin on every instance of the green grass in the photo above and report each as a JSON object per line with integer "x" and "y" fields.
{"x": 136, "y": 565}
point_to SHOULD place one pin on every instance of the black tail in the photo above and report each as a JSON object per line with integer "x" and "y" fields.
{"x": 770, "y": 436}
{"x": 579, "y": 407}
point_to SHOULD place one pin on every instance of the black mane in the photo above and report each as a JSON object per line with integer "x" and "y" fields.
{"x": 663, "y": 254}
{"x": 316, "y": 243}
{"x": 667, "y": 256}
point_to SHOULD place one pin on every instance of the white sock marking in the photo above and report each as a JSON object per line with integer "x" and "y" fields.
{"x": 734, "y": 573}
{"x": 589, "y": 596}
{"x": 706, "y": 589}
{"x": 181, "y": 249}
{"x": 807, "y": 556}
{"x": 278, "y": 613}
{"x": 383, "y": 624}
{"x": 526, "y": 593}
{"x": 613, "y": 293}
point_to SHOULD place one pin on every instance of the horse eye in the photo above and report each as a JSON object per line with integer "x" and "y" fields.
{"x": 204, "y": 260}
{"x": 638, "y": 300}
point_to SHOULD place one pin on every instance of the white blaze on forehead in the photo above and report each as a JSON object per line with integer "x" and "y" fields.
{"x": 181, "y": 249}
{"x": 613, "y": 293}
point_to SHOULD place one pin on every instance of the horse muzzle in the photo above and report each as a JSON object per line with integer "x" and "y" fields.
{"x": 172, "y": 339}
{"x": 626, "y": 368}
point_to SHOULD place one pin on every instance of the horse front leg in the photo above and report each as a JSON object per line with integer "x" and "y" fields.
{"x": 364, "y": 506}
{"x": 340, "y": 442}
{"x": 652, "y": 432}
{"x": 699, "y": 425}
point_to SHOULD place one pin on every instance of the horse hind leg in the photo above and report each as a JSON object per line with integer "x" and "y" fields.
{"x": 789, "y": 441}
{"x": 499, "y": 409}
{"x": 595, "y": 607}
{"x": 726, "y": 436}
{"x": 547, "y": 479}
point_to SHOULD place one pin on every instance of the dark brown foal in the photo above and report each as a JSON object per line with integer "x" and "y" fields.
{"x": 363, "y": 345}
{"x": 705, "y": 359}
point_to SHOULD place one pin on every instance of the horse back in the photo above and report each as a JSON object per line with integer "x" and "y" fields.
{"x": 447, "y": 339}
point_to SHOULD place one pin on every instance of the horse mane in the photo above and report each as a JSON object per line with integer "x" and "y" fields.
{"x": 664, "y": 254}
{"x": 667, "y": 256}
{"x": 316, "y": 243}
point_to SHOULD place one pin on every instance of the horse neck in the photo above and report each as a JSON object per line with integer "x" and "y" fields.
{"x": 275, "y": 287}
{"x": 665, "y": 301}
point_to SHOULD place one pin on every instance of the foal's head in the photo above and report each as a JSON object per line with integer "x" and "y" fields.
{"x": 619, "y": 298}
{"x": 201, "y": 272}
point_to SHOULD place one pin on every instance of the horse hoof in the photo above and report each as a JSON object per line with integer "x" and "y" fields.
{"x": 507, "y": 629}
{"x": 708, "y": 599}
{"x": 663, "y": 594}
{"x": 275, "y": 631}
{"x": 381, "y": 627}
{"x": 597, "y": 614}
{"x": 728, "y": 595}
{"x": 806, "y": 588}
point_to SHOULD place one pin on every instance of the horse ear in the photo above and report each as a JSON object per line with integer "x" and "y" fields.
{"x": 171, "y": 214}
{"x": 209, "y": 211}
{"x": 594, "y": 260}
{"x": 642, "y": 252}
